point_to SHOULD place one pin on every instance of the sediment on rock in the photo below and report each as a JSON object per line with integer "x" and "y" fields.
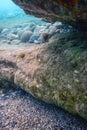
{"x": 55, "y": 72}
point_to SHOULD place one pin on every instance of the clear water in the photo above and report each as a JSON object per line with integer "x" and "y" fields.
{"x": 9, "y": 10}
{"x": 11, "y": 14}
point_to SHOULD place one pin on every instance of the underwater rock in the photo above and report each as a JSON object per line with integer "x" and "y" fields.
{"x": 25, "y": 36}
{"x": 30, "y": 28}
{"x": 39, "y": 29}
{"x": 15, "y": 42}
{"x": 12, "y": 36}
{"x": 52, "y": 30}
{"x": 73, "y": 12}
{"x": 30, "y": 33}
{"x": 34, "y": 33}
{"x": 57, "y": 24}
{"x": 5, "y": 31}
{"x": 43, "y": 37}
{"x": 34, "y": 38}
{"x": 1, "y": 29}
{"x": 55, "y": 72}
{"x": 4, "y": 41}
{"x": 20, "y": 32}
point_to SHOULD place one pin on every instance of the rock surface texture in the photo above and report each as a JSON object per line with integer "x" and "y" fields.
{"x": 73, "y": 12}
{"x": 55, "y": 72}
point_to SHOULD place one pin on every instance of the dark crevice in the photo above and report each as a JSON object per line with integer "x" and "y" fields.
{"x": 7, "y": 63}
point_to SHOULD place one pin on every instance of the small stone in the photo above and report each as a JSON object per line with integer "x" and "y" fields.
{"x": 2, "y": 91}
{"x": 76, "y": 71}
{"x": 26, "y": 36}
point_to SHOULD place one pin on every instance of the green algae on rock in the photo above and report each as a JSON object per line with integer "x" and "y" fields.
{"x": 55, "y": 72}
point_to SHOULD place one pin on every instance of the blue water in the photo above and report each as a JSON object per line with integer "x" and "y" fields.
{"x": 13, "y": 20}
{"x": 9, "y": 10}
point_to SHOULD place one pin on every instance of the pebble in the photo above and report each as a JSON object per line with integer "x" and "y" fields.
{"x": 5, "y": 30}
{"x": 25, "y": 36}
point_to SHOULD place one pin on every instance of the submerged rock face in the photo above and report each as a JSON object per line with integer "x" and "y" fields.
{"x": 73, "y": 12}
{"x": 55, "y": 72}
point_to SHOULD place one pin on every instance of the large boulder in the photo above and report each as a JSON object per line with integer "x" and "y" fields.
{"x": 73, "y": 12}
{"x": 55, "y": 72}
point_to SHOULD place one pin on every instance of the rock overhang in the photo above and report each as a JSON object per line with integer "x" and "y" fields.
{"x": 73, "y": 12}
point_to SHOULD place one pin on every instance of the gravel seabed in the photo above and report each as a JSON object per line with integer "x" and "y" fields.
{"x": 20, "y": 111}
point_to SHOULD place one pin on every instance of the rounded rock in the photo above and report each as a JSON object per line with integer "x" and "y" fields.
{"x": 26, "y": 36}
